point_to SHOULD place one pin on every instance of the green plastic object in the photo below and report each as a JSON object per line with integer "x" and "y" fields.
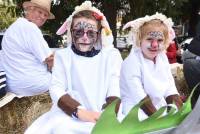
{"x": 108, "y": 123}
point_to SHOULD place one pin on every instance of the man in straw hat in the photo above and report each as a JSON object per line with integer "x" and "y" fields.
{"x": 27, "y": 59}
{"x": 85, "y": 77}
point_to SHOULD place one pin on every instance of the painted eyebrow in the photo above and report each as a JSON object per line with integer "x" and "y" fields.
{"x": 83, "y": 24}
{"x": 158, "y": 33}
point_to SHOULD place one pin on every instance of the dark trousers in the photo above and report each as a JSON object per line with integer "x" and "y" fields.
{"x": 2, "y": 92}
{"x": 191, "y": 69}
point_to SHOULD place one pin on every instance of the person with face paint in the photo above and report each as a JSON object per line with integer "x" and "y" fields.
{"x": 85, "y": 77}
{"x": 145, "y": 74}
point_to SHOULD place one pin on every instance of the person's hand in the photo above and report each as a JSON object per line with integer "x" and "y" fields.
{"x": 148, "y": 106}
{"x": 88, "y": 116}
{"x": 175, "y": 99}
{"x": 178, "y": 52}
{"x": 50, "y": 61}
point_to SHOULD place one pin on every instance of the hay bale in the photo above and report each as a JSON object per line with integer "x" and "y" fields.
{"x": 17, "y": 115}
{"x": 177, "y": 72}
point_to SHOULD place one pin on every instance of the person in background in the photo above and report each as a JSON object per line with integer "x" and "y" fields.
{"x": 146, "y": 74}
{"x": 26, "y": 58}
{"x": 191, "y": 67}
{"x": 173, "y": 52}
{"x": 85, "y": 76}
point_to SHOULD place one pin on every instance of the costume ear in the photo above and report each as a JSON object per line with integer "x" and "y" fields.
{"x": 63, "y": 28}
{"x": 106, "y": 37}
{"x": 171, "y": 34}
{"x": 127, "y": 25}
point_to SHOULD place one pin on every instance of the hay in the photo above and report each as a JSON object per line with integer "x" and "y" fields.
{"x": 17, "y": 115}
{"x": 181, "y": 85}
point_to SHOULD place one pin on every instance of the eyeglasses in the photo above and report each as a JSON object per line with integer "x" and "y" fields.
{"x": 80, "y": 33}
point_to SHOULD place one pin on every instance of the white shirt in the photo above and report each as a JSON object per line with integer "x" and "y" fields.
{"x": 89, "y": 80}
{"x": 24, "y": 51}
{"x": 141, "y": 77}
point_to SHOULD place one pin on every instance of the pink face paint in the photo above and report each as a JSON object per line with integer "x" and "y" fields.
{"x": 154, "y": 44}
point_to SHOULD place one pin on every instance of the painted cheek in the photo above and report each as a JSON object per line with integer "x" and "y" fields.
{"x": 146, "y": 45}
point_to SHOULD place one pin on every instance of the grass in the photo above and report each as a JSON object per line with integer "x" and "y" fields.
{"x": 124, "y": 54}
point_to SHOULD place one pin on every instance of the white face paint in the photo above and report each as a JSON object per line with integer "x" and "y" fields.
{"x": 152, "y": 43}
{"x": 84, "y": 33}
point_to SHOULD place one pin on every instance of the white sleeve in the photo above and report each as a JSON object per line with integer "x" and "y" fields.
{"x": 38, "y": 45}
{"x": 172, "y": 88}
{"x": 114, "y": 76}
{"x": 132, "y": 91}
{"x": 59, "y": 79}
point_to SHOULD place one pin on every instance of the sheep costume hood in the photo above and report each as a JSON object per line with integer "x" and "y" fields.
{"x": 106, "y": 33}
{"x": 136, "y": 24}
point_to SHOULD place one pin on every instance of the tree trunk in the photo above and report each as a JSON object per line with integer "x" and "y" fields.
{"x": 110, "y": 11}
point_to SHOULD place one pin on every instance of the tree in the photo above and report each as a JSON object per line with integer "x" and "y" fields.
{"x": 110, "y": 10}
{"x": 140, "y": 8}
{"x": 194, "y": 19}
{"x": 7, "y": 16}
{"x": 179, "y": 10}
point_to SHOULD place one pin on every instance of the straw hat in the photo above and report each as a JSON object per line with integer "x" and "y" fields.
{"x": 43, "y": 4}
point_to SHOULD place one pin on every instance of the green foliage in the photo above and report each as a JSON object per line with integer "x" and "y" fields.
{"x": 140, "y": 8}
{"x": 124, "y": 54}
{"x": 61, "y": 12}
{"x": 7, "y": 16}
